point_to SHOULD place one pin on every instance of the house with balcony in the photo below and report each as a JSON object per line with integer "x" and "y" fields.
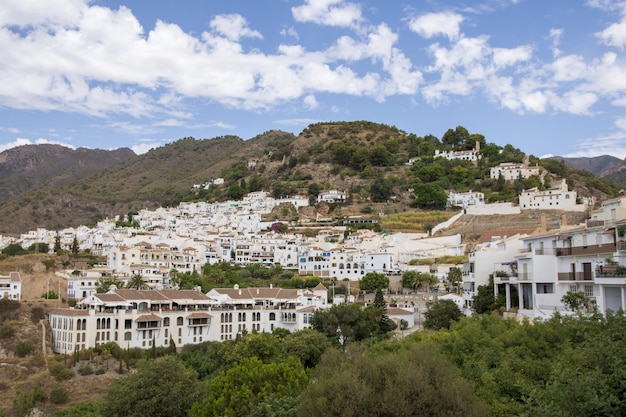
{"x": 584, "y": 258}
{"x": 493, "y": 257}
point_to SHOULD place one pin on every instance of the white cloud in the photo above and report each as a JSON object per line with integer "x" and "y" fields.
{"x": 435, "y": 24}
{"x": 296, "y": 122}
{"x": 290, "y": 31}
{"x": 328, "y": 12}
{"x": 233, "y": 27}
{"x": 615, "y": 34}
{"x": 141, "y": 148}
{"x": 310, "y": 102}
{"x": 24, "y": 141}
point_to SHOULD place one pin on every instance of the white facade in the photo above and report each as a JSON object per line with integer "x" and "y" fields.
{"x": 139, "y": 319}
{"x": 11, "y": 286}
{"x": 472, "y": 156}
{"x": 554, "y": 198}
{"x": 332, "y": 196}
{"x": 511, "y": 171}
{"x": 487, "y": 258}
{"x": 471, "y": 198}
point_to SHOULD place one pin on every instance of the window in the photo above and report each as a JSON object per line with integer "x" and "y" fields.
{"x": 179, "y": 321}
{"x": 127, "y": 336}
{"x": 588, "y": 290}
{"x": 545, "y": 288}
{"x": 166, "y": 321}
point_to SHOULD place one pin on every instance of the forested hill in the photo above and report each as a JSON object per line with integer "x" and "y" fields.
{"x": 365, "y": 159}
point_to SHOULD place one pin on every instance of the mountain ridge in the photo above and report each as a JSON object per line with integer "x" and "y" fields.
{"x": 57, "y": 188}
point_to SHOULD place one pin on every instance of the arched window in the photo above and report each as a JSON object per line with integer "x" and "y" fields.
{"x": 179, "y": 321}
{"x": 127, "y": 336}
{"x": 166, "y": 321}
{"x": 272, "y": 316}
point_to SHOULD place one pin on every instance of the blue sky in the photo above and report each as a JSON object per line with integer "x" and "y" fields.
{"x": 548, "y": 77}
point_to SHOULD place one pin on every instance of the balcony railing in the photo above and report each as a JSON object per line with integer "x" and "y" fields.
{"x": 609, "y": 271}
{"x": 575, "y": 276}
{"x": 587, "y": 250}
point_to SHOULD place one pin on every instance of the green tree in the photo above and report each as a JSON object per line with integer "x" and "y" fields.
{"x": 13, "y": 249}
{"x": 485, "y": 301}
{"x": 75, "y": 247}
{"x": 137, "y": 282}
{"x": 430, "y": 195}
{"x": 373, "y": 281}
{"x": 162, "y": 387}
{"x": 313, "y": 191}
{"x": 236, "y": 391}
{"x": 235, "y": 191}
{"x": 441, "y": 314}
{"x": 306, "y": 345}
{"x": 455, "y": 276}
{"x": 574, "y": 300}
{"x": 416, "y": 280}
{"x": 344, "y": 323}
{"x": 411, "y": 381}
{"x": 104, "y": 284}
{"x": 381, "y": 190}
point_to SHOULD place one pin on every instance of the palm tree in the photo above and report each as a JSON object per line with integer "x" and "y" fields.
{"x": 137, "y": 282}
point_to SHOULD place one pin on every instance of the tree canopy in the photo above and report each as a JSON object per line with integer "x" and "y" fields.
{"x": 161, "y": 387}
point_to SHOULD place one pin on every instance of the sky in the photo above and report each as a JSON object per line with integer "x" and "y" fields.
{"x": 548, "y": 77}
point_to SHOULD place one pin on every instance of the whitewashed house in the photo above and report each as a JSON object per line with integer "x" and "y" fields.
{"x": 11, "y": 286}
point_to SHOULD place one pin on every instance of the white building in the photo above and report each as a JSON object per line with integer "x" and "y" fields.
{"x": 332, "y": 196}
{"x": 11, "y": 286}
{"x": 472, "y": 155}
{"x": 497, "y": 255}
{"x": 511, "y": 171}
{"x": 471, "y": 198}
{"x": 141, "y": 319}
{"x": 554, "y": 198}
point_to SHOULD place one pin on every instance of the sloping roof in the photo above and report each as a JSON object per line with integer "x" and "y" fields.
{"x": 149, "y": 317}
{"x": 69, "y": 312}
{"x": 199, "y": 315}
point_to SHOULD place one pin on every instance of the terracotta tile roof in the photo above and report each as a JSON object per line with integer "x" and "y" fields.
{"x": 69, "y": 312}
{"x": 199, "y": 315}
{"x": 148, "y": 317}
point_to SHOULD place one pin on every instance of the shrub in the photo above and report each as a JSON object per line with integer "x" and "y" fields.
{"x": 60, "y": 372}
{"x": 58, "y": 395}
{"x": 85, "y": 370}
{"x": 24, "y": 348}
{"x": 6, "y": 331}
{"x": 37, "y": 314}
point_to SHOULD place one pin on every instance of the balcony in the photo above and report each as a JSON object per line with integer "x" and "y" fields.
{"x": 575, "y": 276}
{"x": 586, "y": 250}
{"x": 611, "y": 271}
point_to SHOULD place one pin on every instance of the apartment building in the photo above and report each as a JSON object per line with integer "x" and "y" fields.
{"x": 589, "y": 258}
{"x": 146, "y": 318}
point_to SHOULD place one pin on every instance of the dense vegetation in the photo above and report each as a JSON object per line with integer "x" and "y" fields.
{"x": 481, "y": 366}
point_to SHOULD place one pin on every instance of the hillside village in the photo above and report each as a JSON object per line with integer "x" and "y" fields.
{"x": 532, "y": 270}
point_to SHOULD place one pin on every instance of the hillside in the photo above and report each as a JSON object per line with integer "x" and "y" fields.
{"x": 365, "y": 159}
{"x": 605, "y": 166}
{"x": 25, "y": 168}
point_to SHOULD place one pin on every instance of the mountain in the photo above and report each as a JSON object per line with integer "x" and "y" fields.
{"x": 55, "y": 187}
{"x": 605, "y": 166}
{"x": 25, "y": 168}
